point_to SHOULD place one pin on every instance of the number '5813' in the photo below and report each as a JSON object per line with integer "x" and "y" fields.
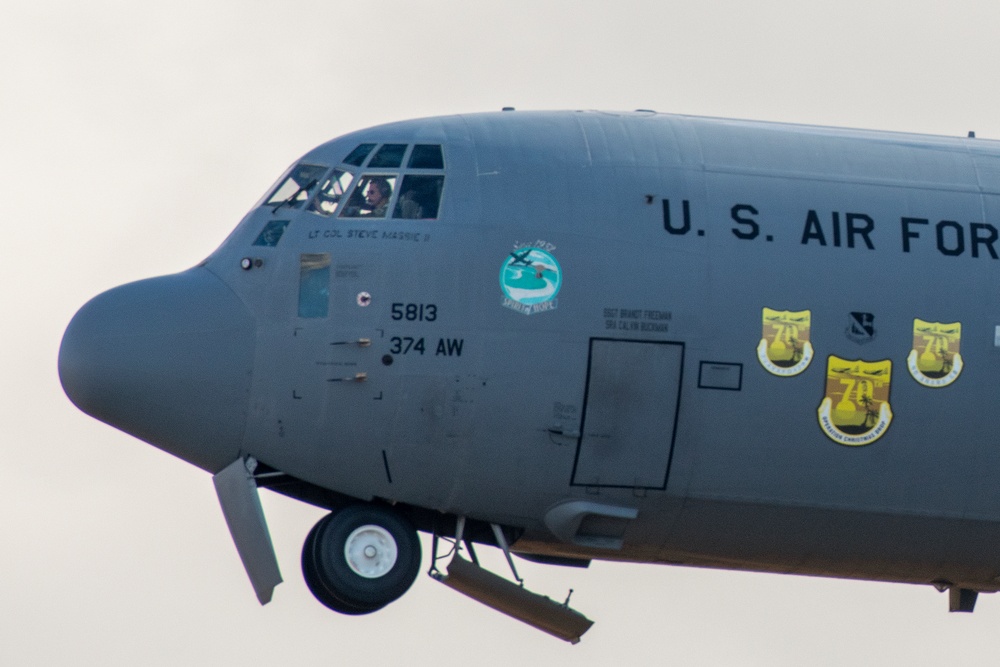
{"x": 414, "y": 312}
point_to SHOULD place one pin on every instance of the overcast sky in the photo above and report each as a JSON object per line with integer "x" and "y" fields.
{"x": 136, "y": 135}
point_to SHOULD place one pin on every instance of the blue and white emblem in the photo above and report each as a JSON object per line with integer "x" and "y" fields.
{"x": 530, "y": 278}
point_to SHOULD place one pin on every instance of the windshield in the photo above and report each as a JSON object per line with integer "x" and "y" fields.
{"x": 296, "y": 188}
{"x": 333, "y": 188}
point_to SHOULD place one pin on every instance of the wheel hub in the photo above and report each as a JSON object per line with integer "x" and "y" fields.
{"x": 370, "y": 551}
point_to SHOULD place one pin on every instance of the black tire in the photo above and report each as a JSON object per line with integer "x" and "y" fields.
{"x": 314, "y": 584}
{"x": 372, "y": 577}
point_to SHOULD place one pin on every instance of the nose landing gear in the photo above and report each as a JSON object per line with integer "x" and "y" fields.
{"x": 359, "y": 559}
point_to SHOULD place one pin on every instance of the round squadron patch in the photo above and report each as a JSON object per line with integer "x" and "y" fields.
{"x": 784, "y": 348}
{"x": 530, "y": 279}
{"x": 934, "y": 360}
{"x": 855, "y": 409}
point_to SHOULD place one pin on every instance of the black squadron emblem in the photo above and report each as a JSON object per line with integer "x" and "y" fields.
{"x": 861, "y": 328}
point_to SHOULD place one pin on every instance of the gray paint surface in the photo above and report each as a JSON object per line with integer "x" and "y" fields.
{"x": 754, "y": 481}
{"x": 630, "y": 413}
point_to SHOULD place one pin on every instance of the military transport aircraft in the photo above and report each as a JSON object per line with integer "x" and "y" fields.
{"x": 580, "y": 335}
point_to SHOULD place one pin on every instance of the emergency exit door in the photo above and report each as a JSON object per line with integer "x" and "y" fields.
{"x": 630, "y": 413}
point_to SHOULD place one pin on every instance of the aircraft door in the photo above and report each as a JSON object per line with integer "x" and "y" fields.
{"x": 629, "y": 414}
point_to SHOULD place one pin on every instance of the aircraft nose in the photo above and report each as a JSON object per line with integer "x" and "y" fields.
{"x": 167, "y": 360}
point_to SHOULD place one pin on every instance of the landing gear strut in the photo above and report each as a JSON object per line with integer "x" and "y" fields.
{"x": 359, "y": 559}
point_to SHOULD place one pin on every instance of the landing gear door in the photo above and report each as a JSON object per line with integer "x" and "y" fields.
{"x": 630, "y": 413}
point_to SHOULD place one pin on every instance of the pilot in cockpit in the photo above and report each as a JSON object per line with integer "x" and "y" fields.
{"x": 377, "y": 197}
{"x": 377, "y": 193}
{"x": 370, "y": 199}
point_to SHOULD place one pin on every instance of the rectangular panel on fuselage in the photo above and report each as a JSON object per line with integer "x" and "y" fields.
{"x": 633, "y": 390}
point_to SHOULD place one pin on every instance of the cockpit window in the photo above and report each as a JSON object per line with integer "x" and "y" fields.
{"x": 426, "y": 156}
{"x": 358, "y": 155}
{"x": 371, "y": 196}
{"x": 419, "y": 197}
{"x": 390, "y": 156}
{"x": 271, "y": 233}
{"x": 328, "y": 198}
{"x": 297, "y": 187}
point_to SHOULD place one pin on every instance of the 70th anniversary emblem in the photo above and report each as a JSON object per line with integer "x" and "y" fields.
{"x": 935, "y": 360}
{"x": 784, "y": 348}
{"x": 855, "y": 408}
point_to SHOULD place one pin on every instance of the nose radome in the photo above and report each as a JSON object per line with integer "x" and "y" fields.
{"x": 167, "y": 360}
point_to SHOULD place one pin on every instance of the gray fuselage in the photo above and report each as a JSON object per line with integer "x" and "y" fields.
{"x": 569, "y": 347}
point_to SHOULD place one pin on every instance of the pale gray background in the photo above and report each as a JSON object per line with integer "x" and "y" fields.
{"x": 135, "y": 135}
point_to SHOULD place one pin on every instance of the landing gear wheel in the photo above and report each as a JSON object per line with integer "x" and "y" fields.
{"x": 318, "y": 590}
{"x": 361, "y": 558}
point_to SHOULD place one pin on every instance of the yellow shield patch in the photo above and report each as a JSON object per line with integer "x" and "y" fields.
{"x": 934, "y": 360}
{"x": 855, "y": 410}
{"x": 784, "y": 347}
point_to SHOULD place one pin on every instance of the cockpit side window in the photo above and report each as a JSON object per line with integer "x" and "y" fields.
{"x": 297, "y": 186}
{"x": 358, "y": 155}
{"x": 388, "y": 188}
{"x": 390, "y": 156}
{"x": 328, "y": 197}
{"x": 419, "y": 197}
{"x": 426, "y": 156}
{"x": 371, "y": 197}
